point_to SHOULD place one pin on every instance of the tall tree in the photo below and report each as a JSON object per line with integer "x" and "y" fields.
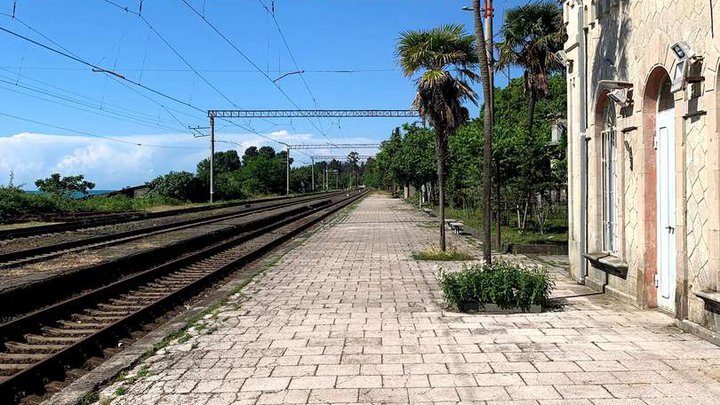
{"x": 532, "y": 35}
{"x": 445, "y": 58}
{"x": 64, "y": 186}
{"x": 482, "y": 52}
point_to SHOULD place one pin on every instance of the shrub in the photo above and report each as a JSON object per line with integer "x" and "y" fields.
{"x": 15, "y": 203}
{"x": 177, "y": 185}
{"x": 502, "y": 283}
{"x": 114, "y": 203}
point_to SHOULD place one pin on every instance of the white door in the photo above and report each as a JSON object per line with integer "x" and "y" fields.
{"x": 666, "y": 216}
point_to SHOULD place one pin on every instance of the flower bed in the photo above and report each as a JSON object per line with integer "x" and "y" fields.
{"x": 499, "y": 287}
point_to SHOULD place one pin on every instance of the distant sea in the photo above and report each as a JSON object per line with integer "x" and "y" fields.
{"x": 77, "y": 195}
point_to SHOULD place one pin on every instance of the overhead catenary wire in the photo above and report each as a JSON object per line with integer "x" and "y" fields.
{"x": 103, "y": 108}
{"x": 298, "y": 69}
{"x": 251, "y": 62}
{"x": 53, "y": 98}
{"x": 96, "y": 68}
{"x": 214, "y": 70}
{"x": 109, "y": 138}
{"x": 28, "y": 26}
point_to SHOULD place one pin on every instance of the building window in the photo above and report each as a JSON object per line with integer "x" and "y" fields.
{"x": 610, "y": 183}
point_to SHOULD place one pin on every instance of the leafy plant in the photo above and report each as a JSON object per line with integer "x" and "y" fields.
{"x": 502, "y": 283}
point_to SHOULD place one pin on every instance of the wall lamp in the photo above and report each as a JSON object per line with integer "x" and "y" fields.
{"x": 685, "y": 57}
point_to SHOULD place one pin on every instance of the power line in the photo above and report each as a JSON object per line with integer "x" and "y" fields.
{"x": 114, "y": 75}
{"x": 191, "y": 67}
{"x": 180, "y": 70}
{"x": 69, "y": 103}
{"x": 96, "y": 68}
{"x": 292, "y": 56}
{"x": 251, "y": 62}
{"x": 116, "y": 113}
{"x": 172, "y": 48}
{"x": 109, "y": 138}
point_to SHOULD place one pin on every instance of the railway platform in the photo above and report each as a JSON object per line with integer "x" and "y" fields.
{"x": 349, "y": 317}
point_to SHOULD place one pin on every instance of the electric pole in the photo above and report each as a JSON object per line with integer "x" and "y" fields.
{"x": 489, "y": 14}
{"x": 287, "y": 170}
{"x": 312, "y": 174}
{"x": 212, "y": 154}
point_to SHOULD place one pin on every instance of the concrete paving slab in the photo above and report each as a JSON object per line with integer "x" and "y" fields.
{"x": 350, "y": 317}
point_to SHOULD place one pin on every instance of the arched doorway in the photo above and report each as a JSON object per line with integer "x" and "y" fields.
{"x": 660, "y": 254}
{"x": 666, "y": 196}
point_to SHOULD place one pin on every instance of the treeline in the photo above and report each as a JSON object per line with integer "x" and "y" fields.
{"x": 258, "y": 172}
{"x": 530, "y": 171}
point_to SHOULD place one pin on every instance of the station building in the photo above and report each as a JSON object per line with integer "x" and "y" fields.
{"x": 644, "y": 153}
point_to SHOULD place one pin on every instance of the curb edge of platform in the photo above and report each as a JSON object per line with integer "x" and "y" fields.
{"x": 105, "y": 374}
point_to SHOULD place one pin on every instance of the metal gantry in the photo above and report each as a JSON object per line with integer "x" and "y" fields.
{"x": 325, "y": 173}
{"x": 313, "y": 113}
{"x": 212, "y": 114}
{"x": 337, "y": 146}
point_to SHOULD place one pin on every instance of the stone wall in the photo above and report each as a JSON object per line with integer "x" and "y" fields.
{"x": 629, "y": 40}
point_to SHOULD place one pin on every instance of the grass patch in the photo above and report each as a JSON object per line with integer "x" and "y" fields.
{"x": 120, "y": 391}
{"x": 502, "y": 283}
{"x": 556, "y": 232}
{"x": 90, "y": 397}
{"x": 184, "y": 338}
{"x": 143, "y": 372}
{"x": 449, "y": 255}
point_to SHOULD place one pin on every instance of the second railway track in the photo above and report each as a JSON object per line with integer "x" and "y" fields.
{"x": 35, "y": 254}
{"x": 41, "y": 346}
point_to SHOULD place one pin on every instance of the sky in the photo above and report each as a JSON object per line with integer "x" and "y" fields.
{"x": 58, "y": 115}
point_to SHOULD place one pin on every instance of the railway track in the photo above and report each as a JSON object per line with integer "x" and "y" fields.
{"x": 81, "y": 221}
{"x": 35, "y": 254}
{"x": 40, "y": 347}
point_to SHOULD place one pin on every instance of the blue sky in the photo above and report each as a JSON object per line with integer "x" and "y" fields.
{"x": 324, "y": 36}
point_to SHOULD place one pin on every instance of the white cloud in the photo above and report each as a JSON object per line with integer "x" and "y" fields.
{"x": 112, "y": 165}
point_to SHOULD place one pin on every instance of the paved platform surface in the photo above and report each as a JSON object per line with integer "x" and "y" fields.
{"x": 350, "y": 317}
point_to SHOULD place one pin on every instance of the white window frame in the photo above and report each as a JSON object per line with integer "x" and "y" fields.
{"x": 609, "y": 191}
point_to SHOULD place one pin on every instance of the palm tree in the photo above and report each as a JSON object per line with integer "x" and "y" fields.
{"x": 445, "y": 58}
{"x": 531, "y": 37}
{"x": 487, "y": 130}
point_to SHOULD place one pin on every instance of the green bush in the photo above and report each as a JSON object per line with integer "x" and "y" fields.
{"x": 104, "y": 204}
{"x": 15, "y": 203}
{"x": 176, "y": 185}
{"x": 502, "y": 283}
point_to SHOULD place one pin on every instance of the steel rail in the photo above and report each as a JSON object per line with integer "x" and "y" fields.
{"x": 117, "y": 218}
{"x": 30, "y": 296}
{"x": 41, "y": 253}
{"x": 32, "y": 378}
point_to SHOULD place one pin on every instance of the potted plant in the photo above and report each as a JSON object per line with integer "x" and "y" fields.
{"x": 502, "y": 287}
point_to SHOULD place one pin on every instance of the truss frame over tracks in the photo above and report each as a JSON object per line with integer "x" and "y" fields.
{"x": 313, "y": 113}
{"x": 317, "y": 113}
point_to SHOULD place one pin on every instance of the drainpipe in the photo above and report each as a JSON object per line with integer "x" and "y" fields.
{"x": 582, "y": 71}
